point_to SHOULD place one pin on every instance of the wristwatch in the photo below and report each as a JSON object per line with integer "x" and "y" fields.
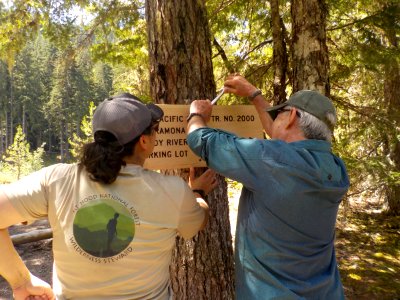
{"x": 255, "y": 94}
{"x": 191, "y": 115}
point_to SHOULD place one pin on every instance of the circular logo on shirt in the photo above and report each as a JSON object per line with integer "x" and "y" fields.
{"x": 103, "y": 227}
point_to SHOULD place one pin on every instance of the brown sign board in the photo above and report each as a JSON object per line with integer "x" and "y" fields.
{"x": 171, "y": 150}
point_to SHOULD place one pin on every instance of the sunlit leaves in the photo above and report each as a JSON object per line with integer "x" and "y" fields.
{"x": 17, "y": 25}
{"x": 355, "y": 276}
{"x": 360, "y": 51}
{"x": 242, "y": 29}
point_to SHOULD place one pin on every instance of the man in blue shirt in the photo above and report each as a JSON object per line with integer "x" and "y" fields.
{"x": 292, "y": 188}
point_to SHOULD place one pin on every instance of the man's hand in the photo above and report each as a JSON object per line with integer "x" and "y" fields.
{"x": 202, "y": 107}
{"x": 34, "y": 289}
{"x": 202, "y": 114}
{"x": 206, "y": 181}
{"x": 238, "y": 85}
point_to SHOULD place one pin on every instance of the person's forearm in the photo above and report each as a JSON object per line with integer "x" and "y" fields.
{"x": 12, "y": 268}
{"x": 194, "y": 123}
{"x": 261, "y": 105}
{"x": 239, "y": 86}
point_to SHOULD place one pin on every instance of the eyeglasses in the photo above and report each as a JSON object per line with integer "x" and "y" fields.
{"x": 283, "y": 109}
{"x": 278, "y": 111}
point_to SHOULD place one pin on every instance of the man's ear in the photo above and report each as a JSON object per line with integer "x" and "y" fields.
{"x": 292, "y": 118}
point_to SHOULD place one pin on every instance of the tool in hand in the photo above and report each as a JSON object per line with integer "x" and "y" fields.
{"x": 221, "y": 92}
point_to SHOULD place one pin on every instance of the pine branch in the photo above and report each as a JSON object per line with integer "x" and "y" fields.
{"x": 357, "y": 21}
{"x": 225, "y": 59}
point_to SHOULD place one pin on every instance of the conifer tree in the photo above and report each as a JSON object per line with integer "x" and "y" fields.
{"x": 77, "y": 141}
{"x": 19, "y": 160}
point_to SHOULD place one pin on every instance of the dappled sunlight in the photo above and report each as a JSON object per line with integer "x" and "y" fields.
{"x": 368, "y": 252}
{"x": 37, "y": 261}
{"x": 234, "y": 189}
{"x": 355, "y": 276}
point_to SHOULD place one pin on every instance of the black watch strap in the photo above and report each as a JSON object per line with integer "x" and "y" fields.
{"x": 191, "y": 115}
{"x": 255, "y": 94}
{"x": 200, "y": 192}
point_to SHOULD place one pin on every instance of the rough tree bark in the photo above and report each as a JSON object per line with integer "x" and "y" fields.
{"x": 310, "y": 57}
{"x": 280, "y": 57}
{"x": 9, "y": 115}
{"x": 180, "y": 71}
{"x": 392, "y": 98}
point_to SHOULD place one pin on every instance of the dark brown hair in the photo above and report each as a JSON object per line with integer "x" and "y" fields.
{"x": 104, "y": 157}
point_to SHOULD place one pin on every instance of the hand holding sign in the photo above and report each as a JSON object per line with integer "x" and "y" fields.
{"x": 206, "y": 182}
{"x": 202, "y": 108}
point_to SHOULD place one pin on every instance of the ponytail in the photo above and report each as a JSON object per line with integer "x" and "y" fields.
{"x": 104, "y": 157}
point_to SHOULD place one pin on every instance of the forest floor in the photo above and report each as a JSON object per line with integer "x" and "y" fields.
{"x": 367, "y": 249}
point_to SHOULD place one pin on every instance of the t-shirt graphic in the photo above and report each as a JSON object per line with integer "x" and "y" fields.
{"x": 103, "y": 227}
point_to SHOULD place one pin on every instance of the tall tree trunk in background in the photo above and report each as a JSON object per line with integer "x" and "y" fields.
{"x": 9, "y": 114}
{"x": 392, "y": 98}
{"x": 181, "y": 70}
{"x": 9, "y": 131}
{"x": 310, "y": 57}
{"x": 2, "y": 146}
{"x": 63, "y": 140}
{"x": 279, "y": 54}
{"x": 24, "y": 123}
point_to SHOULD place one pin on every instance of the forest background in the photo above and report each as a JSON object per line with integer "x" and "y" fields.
{"x": 59, "y": 59}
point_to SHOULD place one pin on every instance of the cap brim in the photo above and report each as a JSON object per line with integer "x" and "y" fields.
{"x": 273, "y": 110}
{"x": 156, "y": 112}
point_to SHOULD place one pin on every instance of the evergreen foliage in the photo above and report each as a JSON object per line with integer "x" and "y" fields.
{"x": 59, "y": 58}
{"x": 77, "y": 141}
{"x": 18, "y": 160}
{"x": 360, "y": 54}
{"x": 55, "y": 62}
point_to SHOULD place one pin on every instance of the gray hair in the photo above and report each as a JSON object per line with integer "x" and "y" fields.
{"x": 314, "y": 128}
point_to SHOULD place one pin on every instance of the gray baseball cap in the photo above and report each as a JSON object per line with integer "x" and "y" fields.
{"x": 310, "y": 101}
{"x": 125, "y": 116}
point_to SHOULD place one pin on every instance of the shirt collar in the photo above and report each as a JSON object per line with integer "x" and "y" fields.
{"x": 315, "y": 145}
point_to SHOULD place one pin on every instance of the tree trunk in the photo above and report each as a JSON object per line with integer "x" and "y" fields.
{"x": 24, "y": 123}
{"x": 392, "y": 98}
{"x": 181, "y": 71}
{"x": 279, "y": 54}
{"x": 2, "y": 144}
{"x": 9, "y": 131}
{"x": 180, "y": 53}
{"x": 64, "y": 150}
{"x": 309, "y": 51}
{"x": 393, "y": 191}
{"x": 9, "y": 114}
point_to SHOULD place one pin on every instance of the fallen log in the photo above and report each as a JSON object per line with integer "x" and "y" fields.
{"x": 32, "y": 236}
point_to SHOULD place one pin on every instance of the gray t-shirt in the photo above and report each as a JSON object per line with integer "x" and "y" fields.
{"x": 109, "y": 241}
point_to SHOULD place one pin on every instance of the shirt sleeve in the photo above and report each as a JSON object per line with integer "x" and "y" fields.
{"x": 28, "y": 195}
{"x": 234, "y": 157}
{"x": 191, "y": 215}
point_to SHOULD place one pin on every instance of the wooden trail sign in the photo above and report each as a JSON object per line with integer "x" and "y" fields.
{"x": 171, "y": 150}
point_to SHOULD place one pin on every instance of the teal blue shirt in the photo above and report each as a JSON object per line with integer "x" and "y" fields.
{"x": 284, "y": 245}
